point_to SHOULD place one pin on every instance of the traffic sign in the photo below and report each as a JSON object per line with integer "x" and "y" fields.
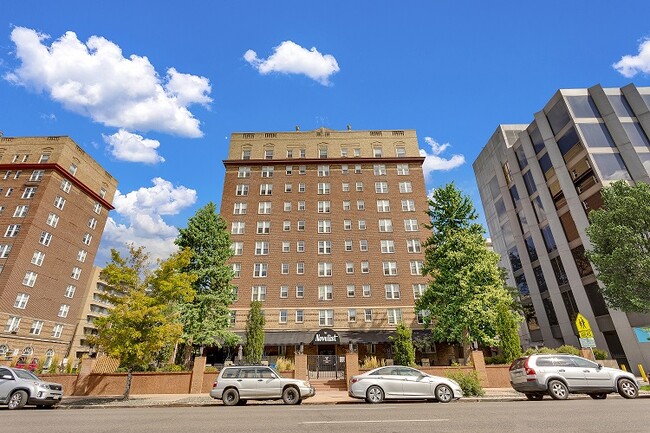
{"x": 587, "y": 342}
{"x": 584, "y": 329}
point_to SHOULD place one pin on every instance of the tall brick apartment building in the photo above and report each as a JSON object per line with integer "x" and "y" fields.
{"x": 54, "y": 201}
{"x": 327, "y": 230}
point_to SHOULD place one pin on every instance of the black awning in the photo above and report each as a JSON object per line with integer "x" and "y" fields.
{"x": 361, "y": 337}
{"x": 282, "y": 338}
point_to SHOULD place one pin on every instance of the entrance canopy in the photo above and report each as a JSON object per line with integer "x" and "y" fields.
{"x": 289, "y": 338}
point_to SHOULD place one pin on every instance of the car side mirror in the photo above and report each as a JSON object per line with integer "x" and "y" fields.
{"x": 600, "y": 366}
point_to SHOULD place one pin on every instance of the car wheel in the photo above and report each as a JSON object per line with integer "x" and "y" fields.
{"x": 535, "y": 397}
{"x": 558, "y": 390}
{"x": 230, "y": 397}
{"x": 444, "y": 394}
{"x": 627, "y": 388}
{"x": 374, "y": 394}
{"x": 599, "y": 396}
{"x": 17, "y": 400}
{"x": 290, "y": 395}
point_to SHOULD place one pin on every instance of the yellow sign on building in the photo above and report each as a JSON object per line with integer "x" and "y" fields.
{"x": 583, "y": 326}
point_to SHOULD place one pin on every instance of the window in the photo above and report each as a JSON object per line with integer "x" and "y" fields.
{"x": 324, "y": 206}
{"x": 392, "y": 291}
{"x": 4, "y": 251}
{"x": 366, "y": 290}
{"x": 284, "y": 268}
{"x": 408, "y": 205}
{"x": 322, "y": 152}
{"x": 383, "y": 206}
{"x": 301, "y": 206}
{"x": 102, "y": 192}
{"x": 44, "y": 158}
{"x": 411, "y": 225}
{"x": 69, "y": 291}
{"x": 36, "y": 176}
{"x": 286, "y": 247}
{"x": 390, "y": 268}
{"x": 350, "y": 290}
{"x": 18, "y": 173}
{"x": 12, "y": 230}
{"x": 21, "y": 211}
{"x": 264, "y": 207}
{"x": 346, "y": 204}
{"x": 258, "y": 293}
{"x": 402, "y": 169}
{"x": 357, "y": 169}
{"x": 236, "y": 269}
{"x": 241, "y": 190}
{"x": 238, "y": 248}
{"x": 300, "y": 246}
{"x": 367, "y": 315}
{"x": 267, "y": 171}
{"x": 416, "y": 267}
{"x": 30, "y": 279}
{"x": 59, "y": 202}
{"x": 348, "y": 245}
{"x": 29, "y": 192}
{"x": 288, "y": 187}
{"x": 381, "y": 187}
{"x": 63, "y": 310}
{"x": 361, "y": 205}
{"x": 324, "y": 247}
{"x": 377, "y": 152}
{"x": 57, "y": 330}
{"x": 7, "y": 174}
{"x": 300, "y": 316}
{"x": 65, "y": 186}
{"x": 363, "y": 245}
{"x": 76, "y": 273}
{"x": 345, "y": 186}
{"x": 357, "y": 152}
{"x": 37, "y": 258}
{"x": 21, "y": 301}
{"x": 379, "y": 169}
{"x": 92, "y": 223}
{"x": 324, "y": 269}
{"x": 9, "y": 191}
{"x": 283, "y": 316}
{"x": 323, "y": 170}
{"x": 394, "y": 315}
{"x": 300, "y": 268}
{"x": 244, "y": 172}
{"x": 325, "y": 317}
{"x": 87, "y": 238}
{"x": 286, "y": 226}
{"x": 347, "y": 224}
{"x": 300, "y": 291}
{"x": 324, "y": 188}
{"x": 268, "y": 154}
{"x": 345, "y": 169}
{"x": 352, "y": 315}
{"x": 324, "y": 226}
{"x": 238, "y": 228}
{"x": 325, "y": 293}
{"x": 387, "y": 246}
{"x": 418, "y": 290}
{"x": 37, "y": 326}
{"x": 400, "y": 152}
{"x": 349, "y": 268}
{"x": 405, "y": 187}
{"x": 288, "y": 169}
{"x": 359, "y": 186}
{"x": 240, "y": 208}
{"x": 362, "y": 224}
{"x": 263, "y": 227}
{"x": 73, "y": 169}
{"x": 284, "y": 291}
{"x": 365, "y": 267}
{"x": 45, "y": 238}
{"x": 13, "y": 324}
{"x": 301, "y": 226}
{"x": 413, "y": 245}
{"x": 260, "y": 270}
{"x": 302, "y": 169}
{"x": 266, "y": 189}
{"x": 261, "y": 248}
{"x": 385, "y": 225}
{"x": 301, "y": 187}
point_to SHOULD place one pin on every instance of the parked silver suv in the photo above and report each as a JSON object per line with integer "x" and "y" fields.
{"x": 19, "y": 387}
{"x": 559, "y": 375}
{"x": 237, "y": 384}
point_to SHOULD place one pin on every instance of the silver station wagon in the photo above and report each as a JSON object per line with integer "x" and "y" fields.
{"x": 237, "y": 384}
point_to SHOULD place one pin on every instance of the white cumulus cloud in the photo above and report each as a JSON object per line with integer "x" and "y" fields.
{"x": 434, "y": 162}
{"x": 127, "y": 146}
{"x": 138, "y": 218}
{"x": 291, "y": 58}
{"x": 629, "y": 65}
{"x": 94, "y": 79}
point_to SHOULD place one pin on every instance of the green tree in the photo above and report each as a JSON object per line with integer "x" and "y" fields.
{"x": 507, "y": 329}
{"x": 254, "y": 348}
{"x": 466, "y": 288}
{"x": 403, "y": 350}
{"x": 620, "y": 237}
{"x": 206, "y": 319}
{"x": 144, "y": 319}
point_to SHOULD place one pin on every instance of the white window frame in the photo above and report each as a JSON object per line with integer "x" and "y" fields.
{"x": 392, "y": 291}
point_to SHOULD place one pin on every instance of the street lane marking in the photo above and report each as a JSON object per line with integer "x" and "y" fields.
{"x": 374, "y": 421}
{"x": 357, "y": 408}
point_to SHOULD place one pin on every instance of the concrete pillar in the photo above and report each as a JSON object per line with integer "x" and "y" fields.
{"x": 351, "y": 366}
{"x": 300, "y": 361}
{"x": 83, "y": 376}
{"x": 196, "y": 382}
{"x": 478, "y": 360}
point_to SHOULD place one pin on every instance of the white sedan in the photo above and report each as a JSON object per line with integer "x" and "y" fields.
{"x": 397, "y": 382}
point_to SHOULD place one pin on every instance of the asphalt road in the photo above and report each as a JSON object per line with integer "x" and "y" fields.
{"x": 573, "y": 416}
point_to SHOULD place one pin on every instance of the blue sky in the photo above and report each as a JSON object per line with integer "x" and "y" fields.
{"x": 153, "y": 90}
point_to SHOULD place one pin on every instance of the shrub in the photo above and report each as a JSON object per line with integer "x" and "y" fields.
{"x": 284, "y": 364}
{"x": 370, "y": 362}
{"x": 210, "y": 369}
{"x": 600, "y": 354}
{"x": 540, "y": 351}
{"x": 496, "y": 360}
{"x": 403, "y": 350}
{"x": 469, "y": 382}
{"x": 171, "y": 367}
{"x": 569, "y": 350}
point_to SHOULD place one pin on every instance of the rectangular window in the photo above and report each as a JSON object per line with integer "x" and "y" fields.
{"x": 65, "y": 186}
{"x": 258, "y": 293}
{"x": 365, "y": 267}
{"x": 400, "y": 152}
{"x": 411, "y": 225}
{"x": 301, "y": 187}
{"x": 12, "y": 230}
{"x": 390, "y": 268}
{"x": 387, "y": 246}
{"x": 300, "y": 291}
{"x": 236, "y": 270}
{"x": 263, "y": 227}
{"x": 284, "y": 291}
{"x": 385, "y": 225}
{"x": 13, "y": 324}
{"x": 76, "y": 273}
{"x": 349, "y": 268}
{"x": 322, "y": 152}
{"x": 300, "y": 246}
{"x": 73, "y": 169}
{"x": 266, "y": 189}
{"x": 381, "y": 187}
{"x": 261, "y": 248}
{"x": 45, "y": 238}
{"x": 264, "y": 208}
{"x": 301, "y": 226}
{"x": 21, "y": 211}
{"x": 29, "y": 192}
{"x": 302, "y": 169}
{"x": 402, "y": 169}
{"x": 244, "y": 172}
{"x": 44, "y": 158}
{"x": 37, "y": 258}
{"x": 238, "y": 228}
{"x": 324, "y": 207}
{"x": 408, "y": 205}
{"x": 324, "y": 226}
{"x": 52, "y": 219}
{"x": 392, "y": 291}
{"x": 238, "y": 248}
{"x": 37, "y": 327}
{"x": 377, "y": 152}
{"x": 416, "y": 267}
{"x": 346, "y": 205}
{"x": 348, "y": 245}
{"x": 260, "y": 270}
{"x": 379, "y": 169}
{"x": 300, "y": 316}
{"x": 324, "y": 188}
{"x": 240, "y": 208}
{"x": 325, "y": 293}
{"x": 363, "y": 245}
{"x": 324, "y": 247}
{"x": 345, "y": 169}
{"x": 405, "y": 187}
{"x": 267, "y": 171}
{"x": 284, "y": 268}
{"x": 325, "y": 317}
{"x": 92, "y": 223}
{"x": 413, "y": 245}
{"x": 63, "y": 310}
{"x": 357, "y": 169}
{"x": 366, "y": 290}
{"x": 300, "y": 268}
{"x": 241, "y": 190}
{"x": 345, "y": 187}
{"x": 21, "y": 301}
{"x": 288, "y": 169}
{"x": 87, "y": 238}
{"x": 59, "y": 202}
{"x": 286, "y": 226}
{"x": 268, "y": 154}
{"x": 57, "y": 331}
{"x": 69, "y": 291}
{"x": 352, "y": 315}
{"x": 323, "y": 170}
{"x": 301, "y": 206}
{"x": 36, "y": 176}
{"x": 286, "y": 247}
{"x": 394, "y": 315}
{"x": 418, "y": 290}
{"x": 347, "y": 224}
{"x": 367, "y": 315}
{"x": 324, "y": 269}
{"x": 361, "y": 205}
{"x": 4, "y": 251}
{"x": 30, "y": 279}
{"x": 351, "y": 290}
{"x": 288, "y": 187}
{"x": 283, "y": 316}
{"x": 383, "y": 206}
{"x": 359, "y": 186}
{"x": 362, "y": 224}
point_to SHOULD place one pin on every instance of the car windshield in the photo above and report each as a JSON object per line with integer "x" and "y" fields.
{"x": 24, "y": 374}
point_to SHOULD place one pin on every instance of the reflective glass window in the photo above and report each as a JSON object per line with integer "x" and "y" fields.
{"x": 596, "y": 135}
{"x": 583, "y": 107}
{"x": 637, "y": 136}
{"x": 611, "y": 166}
{"x": 558, "y": 117}
{"x": 536, "y": 139}
{"x": 621, "y": 107}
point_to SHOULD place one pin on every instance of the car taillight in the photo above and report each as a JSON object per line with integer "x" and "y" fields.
{"x": 529, "y": 371}
{"x": 214, "y": 385}
{"x": 354, "y": 380}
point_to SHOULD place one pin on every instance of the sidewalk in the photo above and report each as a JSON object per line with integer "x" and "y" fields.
{"x": 321, "y": 397}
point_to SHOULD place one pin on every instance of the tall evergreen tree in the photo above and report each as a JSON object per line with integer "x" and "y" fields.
{"x": 206, "y": 319}
{"x": 254, "y": 348}
{"x": 466, "y": 289}
{"x": 403, "y": 350}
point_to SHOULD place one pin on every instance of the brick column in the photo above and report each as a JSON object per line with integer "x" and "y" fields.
{"x": 83, "y": 376}
{"x": 300, "y": 361}
{"x": 196, "y": 382}
{"x": 351, "y": 366}
{"x": 479, "y": 366}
